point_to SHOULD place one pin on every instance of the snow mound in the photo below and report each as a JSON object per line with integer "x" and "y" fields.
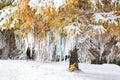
{"x": 31, "y": 70}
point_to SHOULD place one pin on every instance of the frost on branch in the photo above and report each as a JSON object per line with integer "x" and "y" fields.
{"x": 73, "y": 29}
{"x": 98, "y": 29}
{"x": 115, "y": 2}
{"x": 94, "y": 4}
{"x": 37, "y": 4}
{"x": 105, "y": 17}
{"x": 5, "y": 17}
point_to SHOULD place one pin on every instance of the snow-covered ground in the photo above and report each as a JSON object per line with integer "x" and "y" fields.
{"x": 32, "y": 70}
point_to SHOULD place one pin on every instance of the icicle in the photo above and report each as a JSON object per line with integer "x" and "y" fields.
{"x": 23, "y": 43}
{"x": 30, "y": 39}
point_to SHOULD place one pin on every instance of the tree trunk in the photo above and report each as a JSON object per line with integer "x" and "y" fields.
{"x": 96, "y": 54}
{"x": 5, "y": 49}
{"x": 8, "y": 43}
{"x": 74, "y": 58}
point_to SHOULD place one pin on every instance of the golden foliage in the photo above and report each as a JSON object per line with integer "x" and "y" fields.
{"x": 49, "y": 19}
{"x": 72, "y": 67}
{"x": 25, "y": 17}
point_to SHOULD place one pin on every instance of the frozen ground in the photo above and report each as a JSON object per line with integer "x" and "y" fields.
{"x": 31, "y": 70}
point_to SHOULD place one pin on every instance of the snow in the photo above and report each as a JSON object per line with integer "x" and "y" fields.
{"x": 73, "y": 29}
{"x": 115, "y": 1}
{"x": 101, "y": 3}
{"x": 13, "y": 22}
{"x": 6, "y": 11}
{"x": 15, "y": 2}
{"x": 5, "y": 16}
{"x": 109, "y": 17}
{"x": 58, "y": 3}
{"x": 118, "y": 44}
{"x": 34, "y": 4}
{"x": 98, "y": 28}
{"x": 95, "y": 2}
{"x": 31, "y": 70}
